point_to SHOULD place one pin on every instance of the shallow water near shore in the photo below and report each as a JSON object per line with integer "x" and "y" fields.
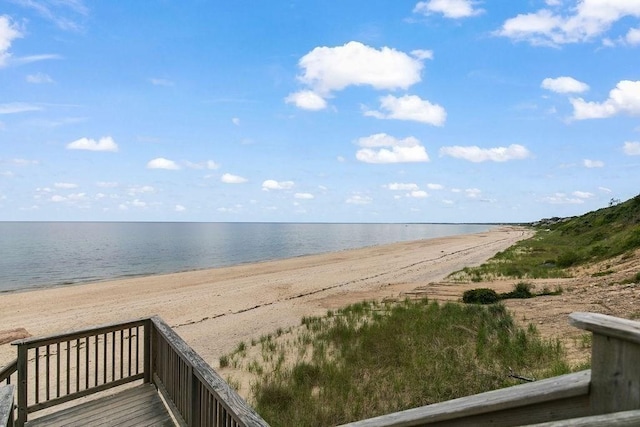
{"x": 40, "y": 254}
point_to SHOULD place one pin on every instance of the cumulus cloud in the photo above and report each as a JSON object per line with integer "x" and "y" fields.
{"x": 326, "y": 70}
{"x": 271, "y": 184}
{"x": 431, "y": 186}
{"x": 624, "y": 98}
{"x": 633, "y": 36}
{"x": 306, "y": 100}
{"x": 228, "y": 178}
{"x": 209, "y": 164}
{"x": 453, "y": 9}
{"x": 396, "y": 186}
{"x": 409, "y": 107}
{"x": 180, "y": 208}
{"x": 235, "y": 121}
{"x": 162, "y": 163}
{"x": 304, "y": 196}
{"x": 564, "y": 85}
{"x": 383, "y": 148}
{"x": 422, "y": 53}
{"x": 473, "y": 193}
{"x": 563, "y": 199}
{"x": 103, "y": 144}
{"x": 579, "y": 21}
{"x": 9, "y": 31}
{"x": 418, "y": 194}
{"x": 583, "y": 194}
{"x": 476, "y": 154}
{"x": 631, "y": 148}
{"x": 359, "y": 199}
{"x": 592, "y": 163}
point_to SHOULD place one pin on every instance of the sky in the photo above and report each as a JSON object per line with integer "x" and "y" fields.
{"x": 317, "y": 110}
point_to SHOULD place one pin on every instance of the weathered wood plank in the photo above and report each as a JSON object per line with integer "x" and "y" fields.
{"x": 8, "y": 371}
{"x": 617, "y": 419}
{"x": 571, "y": 387}
{"x": 6, "y": 405}
{"x": 602, "y": 324}
{"x": 138, "y": 406}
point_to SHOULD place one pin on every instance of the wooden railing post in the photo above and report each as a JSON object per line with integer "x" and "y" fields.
{"x": 615, "y": 362}
{"x": 148, "y": 350}
{"x": 22, "y": 385}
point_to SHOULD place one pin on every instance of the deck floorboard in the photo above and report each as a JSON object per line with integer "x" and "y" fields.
{"x": 135, "y": 407}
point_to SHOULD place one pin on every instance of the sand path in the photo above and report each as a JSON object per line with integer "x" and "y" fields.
{"x": 213, "y": 310}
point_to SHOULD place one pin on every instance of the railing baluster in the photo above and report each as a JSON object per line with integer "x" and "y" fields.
{"x": 87, "y": 349}
{"x": 58, "y": 370}
{"x": 48, "y": 368}
{"x": 37, "y": 384}
{"x": 77, "y": 364}
{"x": 68, "y": 367}
{"x": 96, "y": 354}
{"x": 113, "y": 356}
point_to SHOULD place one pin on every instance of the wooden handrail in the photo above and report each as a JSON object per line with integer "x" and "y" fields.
{"x": 8, "y": 371}
{"x": 197, "y": 393}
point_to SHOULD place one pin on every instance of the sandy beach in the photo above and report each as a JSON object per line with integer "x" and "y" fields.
{"x": 215, "y": 309}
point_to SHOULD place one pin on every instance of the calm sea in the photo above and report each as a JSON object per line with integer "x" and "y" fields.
{"x": 38, "y": 254}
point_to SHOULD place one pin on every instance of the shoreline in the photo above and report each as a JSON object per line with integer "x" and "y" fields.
{"x": 214, "y": 309}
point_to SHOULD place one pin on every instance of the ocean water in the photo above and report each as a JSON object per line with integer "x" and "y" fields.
{"x": 40, "y": 254}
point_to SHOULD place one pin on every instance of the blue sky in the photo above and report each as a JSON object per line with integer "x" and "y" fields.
{"x": 317, "y": 111}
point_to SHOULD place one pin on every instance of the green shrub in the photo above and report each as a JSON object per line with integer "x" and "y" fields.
{"x": 567, "y": 259}
{"x": 521, "y": 290}
{"x": 480, "y": 296}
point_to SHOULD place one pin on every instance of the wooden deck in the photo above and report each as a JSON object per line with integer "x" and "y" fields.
{"x": 136, "y": 407}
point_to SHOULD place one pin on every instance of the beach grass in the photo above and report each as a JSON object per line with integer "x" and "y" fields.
{"x": 373, "y": 358}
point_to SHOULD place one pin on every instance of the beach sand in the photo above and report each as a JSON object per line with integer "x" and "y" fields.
{"x": 213, "y": 310}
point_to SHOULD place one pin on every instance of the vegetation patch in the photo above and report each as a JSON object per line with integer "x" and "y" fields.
{"x": 375, "y": 358}
{"x": 489, "y": 296}
{"x": 562, "y": 244}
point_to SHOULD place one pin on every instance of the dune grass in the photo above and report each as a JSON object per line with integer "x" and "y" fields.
{"x": 374, "y": 358}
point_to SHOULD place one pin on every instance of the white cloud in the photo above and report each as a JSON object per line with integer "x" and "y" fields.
{"x": 140, "y": 189}
{"x": 605, "y": 189}
{"x": 564, "y": 85}
{"x": 435, "y": 186}
{"x": 331, "y": 69}
{"x": 39, "y": 78}
{"x": 422, "y": 54}
{"x": 473, "y": 193}
{"x": 633, "y": 36}
{"x": 418, "y": 194}
{"x": 62, "y": 13}
{"x": 304, "y": 196}
{"x": 162, "y": 163}
{"x": 583, "y": 194}
{"x": 57, "y": 198}
{"x": 228, "y": 178}
{"x": 625, "y": 98}
{"x": 399, "y": 186}
{"x": 138, "y": 203}
{"x": 18, "y": 107}
{"x": 453, "y": 9}
{"x": 103, "y": 144}
{"x": 583, "y": 22}
{"x": 107, "y": 184}
{"x": 409, "y": 107}
{"x": 563, "y": 199}
{"x": 592, "y": 163}
{"x": 631, "y": 148}
{"x": 307, "y": 100}
{"x": 235, "y": 121}
{"x": 476, "y": 154}
{"x": 358, "y": 199}
{"x": 271, "y": 184}
{"x": 180, "y": 208}
{"x": 65, "y": 185}
{"x": 8, "y": 33}
{"x": 383, "y": 148}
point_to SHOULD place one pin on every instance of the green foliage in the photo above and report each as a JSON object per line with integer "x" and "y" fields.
{"x": 595, "y": 236}
{"x": 370, "y": 359}
{"x": 521, "y": 290}
{"x": 480, "y": 296}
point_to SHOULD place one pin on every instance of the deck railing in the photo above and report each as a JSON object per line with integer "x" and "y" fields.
{"x": 56, "y": 369}
{"x": 609, "y": 391}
